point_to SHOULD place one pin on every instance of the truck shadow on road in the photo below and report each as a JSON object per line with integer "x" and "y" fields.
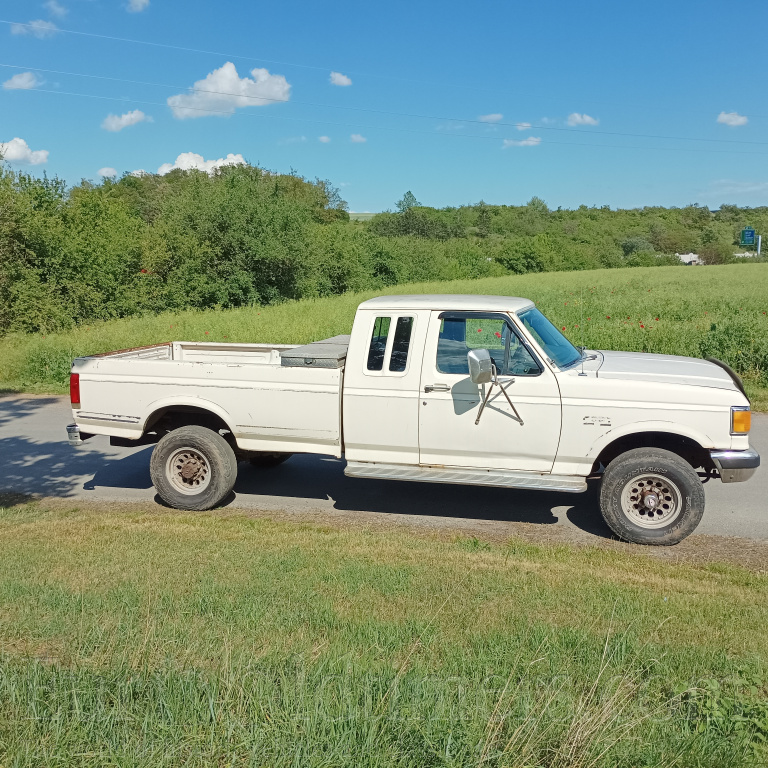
{"x": 33, "y": 463}
{"x": 56, "y": 469}
{"x": 312, "y": 477}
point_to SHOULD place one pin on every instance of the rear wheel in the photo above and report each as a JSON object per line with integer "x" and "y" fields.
{"x": 193, "y": 468}
{"x": 265, "y": 459}
{"x": 651, "y": 496}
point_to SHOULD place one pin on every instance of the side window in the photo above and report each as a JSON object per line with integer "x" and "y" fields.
{"x": 458, "y": 335}
{"x": 520, "y": 362}
{"x": 400, "y": 344}
{"x": 378, "y": 343}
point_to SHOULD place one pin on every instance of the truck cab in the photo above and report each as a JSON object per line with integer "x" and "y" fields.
{"x": 478, "y": 390}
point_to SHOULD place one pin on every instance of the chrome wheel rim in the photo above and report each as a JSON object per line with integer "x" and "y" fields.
{"x": 188, "y": 470}
{"x": 651, "y": 501}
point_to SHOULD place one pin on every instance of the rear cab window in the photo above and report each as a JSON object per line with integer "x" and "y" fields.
{"x": 390, "y": 345}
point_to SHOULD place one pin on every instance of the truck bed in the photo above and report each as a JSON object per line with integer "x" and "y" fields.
{"x": 326, "y": 353}
{"x": 272, "y": 397}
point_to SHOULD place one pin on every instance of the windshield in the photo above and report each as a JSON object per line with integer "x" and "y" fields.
{"x": 549, "y": 338}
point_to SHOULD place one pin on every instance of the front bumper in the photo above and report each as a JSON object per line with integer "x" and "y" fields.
{"x": 736, "y": 466}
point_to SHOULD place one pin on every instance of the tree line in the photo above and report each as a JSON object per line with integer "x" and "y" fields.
{"x": 246, "y": 236}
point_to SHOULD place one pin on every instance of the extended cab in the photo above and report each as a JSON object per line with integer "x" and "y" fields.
{"x": 479, "y": 390}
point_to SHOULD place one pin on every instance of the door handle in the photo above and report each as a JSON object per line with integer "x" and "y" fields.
{"x": 436, "y": 388}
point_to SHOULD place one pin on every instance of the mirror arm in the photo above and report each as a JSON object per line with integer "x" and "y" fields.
{"x": 511, "y": 404}
{"x": 495, "y": 381}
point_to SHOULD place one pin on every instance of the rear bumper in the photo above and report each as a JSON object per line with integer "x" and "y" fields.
{"x": 736, "y": 466}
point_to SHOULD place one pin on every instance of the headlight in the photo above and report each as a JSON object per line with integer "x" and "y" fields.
{"x": 741, "y": 420}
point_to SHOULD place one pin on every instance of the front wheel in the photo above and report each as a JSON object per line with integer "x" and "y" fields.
{"x": 651, "y": 496}
{"x": 193, "y": 468}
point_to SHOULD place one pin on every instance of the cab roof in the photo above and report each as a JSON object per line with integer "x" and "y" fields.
{"x": 458, "y": 302}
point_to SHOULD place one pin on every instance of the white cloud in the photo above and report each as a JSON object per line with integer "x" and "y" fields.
{"x": 733, "y": 119}
{"x": 107, "y": 172}
{"x": 356, "y": 138}
{"x": 531, "y": 141}
{"x": 523, "y": 126}
{"x": 56, "y": 9}
{"x": 137, "y": 6}
{"x": 338, "y": 79}
{"x": 39, "y": 28}
{"x": 188, "y": 161}
{"x": 18, "y": 151}
{"x": 726, "y": 188}
{"x": 494, "y": 117}
{"x": 22, "y": 82}
{"x": 116, "y": 123}
{"x": 324, "y": 139}
{"x": 575, "y": 118}
{"x": 223, "y": 91}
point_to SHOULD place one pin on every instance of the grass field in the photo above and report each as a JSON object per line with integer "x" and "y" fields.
{"x": 148, "y": 637}
{"x": 705, "y": 311}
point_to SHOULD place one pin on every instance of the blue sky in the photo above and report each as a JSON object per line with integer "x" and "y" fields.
{"x": 629, "y": 103}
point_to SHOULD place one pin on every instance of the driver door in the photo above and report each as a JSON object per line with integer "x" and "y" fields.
{"x": 449, "y": 402}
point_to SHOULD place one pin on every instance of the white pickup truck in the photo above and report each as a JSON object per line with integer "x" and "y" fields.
{"x": 477, "y": 390}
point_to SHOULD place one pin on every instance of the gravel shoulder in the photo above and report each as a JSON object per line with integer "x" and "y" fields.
{"x": 697, "y": 549}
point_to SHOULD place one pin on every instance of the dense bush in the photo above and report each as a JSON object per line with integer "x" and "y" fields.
{"x": 245, "y": 236}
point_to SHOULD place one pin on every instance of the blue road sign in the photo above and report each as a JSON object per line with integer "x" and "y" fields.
{"x": 747, "y": 236}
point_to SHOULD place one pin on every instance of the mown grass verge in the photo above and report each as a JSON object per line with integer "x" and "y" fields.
{"x": 157, "y": 638}
{"x": 717, "y": 311}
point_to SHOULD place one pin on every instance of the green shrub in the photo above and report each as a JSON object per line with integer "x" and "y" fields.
{"x": 740, "y": 342}
{"x": 244, "y": 236}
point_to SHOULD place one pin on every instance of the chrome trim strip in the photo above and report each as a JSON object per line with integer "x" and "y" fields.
{"x": 108, "y": 417}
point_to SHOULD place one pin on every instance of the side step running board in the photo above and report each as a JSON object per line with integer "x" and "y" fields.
{"x": 494, "y": 477}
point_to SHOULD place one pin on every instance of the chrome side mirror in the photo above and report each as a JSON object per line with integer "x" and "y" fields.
{"x": 480, "y": 366}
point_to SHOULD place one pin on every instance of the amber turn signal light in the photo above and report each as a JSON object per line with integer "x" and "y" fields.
{"x": 741, "y": 421}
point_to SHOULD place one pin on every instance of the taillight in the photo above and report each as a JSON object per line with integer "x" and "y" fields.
{"x": 74, "y": 390}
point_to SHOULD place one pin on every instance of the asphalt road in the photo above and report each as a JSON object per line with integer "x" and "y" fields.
{"x": 36, "y": 458}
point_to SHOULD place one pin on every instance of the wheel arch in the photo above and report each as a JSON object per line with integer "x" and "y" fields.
{"x": 689, "y": 444}
{"x": 187, "y": 411}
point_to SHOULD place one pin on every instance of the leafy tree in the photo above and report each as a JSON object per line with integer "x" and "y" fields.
{"x": 243, "y": 235}
{"x": 538, "y": 205}
{"x": 635, "y": 244}
{"x": 483, "y": 219}
{"x": 409, "y": 201}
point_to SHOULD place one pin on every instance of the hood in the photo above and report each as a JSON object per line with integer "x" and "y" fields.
{"x": 663, "y": 369}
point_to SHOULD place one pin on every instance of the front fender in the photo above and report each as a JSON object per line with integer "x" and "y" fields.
{"x": 640, "y": 427}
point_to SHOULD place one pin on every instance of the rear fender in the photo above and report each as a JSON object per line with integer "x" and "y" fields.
{"x": 169, "y": 403}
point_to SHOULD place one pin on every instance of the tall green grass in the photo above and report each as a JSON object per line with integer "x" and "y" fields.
{"x": 717, "y": 311}
{"x": 166, "y": 639}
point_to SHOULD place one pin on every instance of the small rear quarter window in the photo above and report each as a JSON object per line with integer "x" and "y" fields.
{"x": 400, "y": 344}
{"x": 378, "y": 343}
